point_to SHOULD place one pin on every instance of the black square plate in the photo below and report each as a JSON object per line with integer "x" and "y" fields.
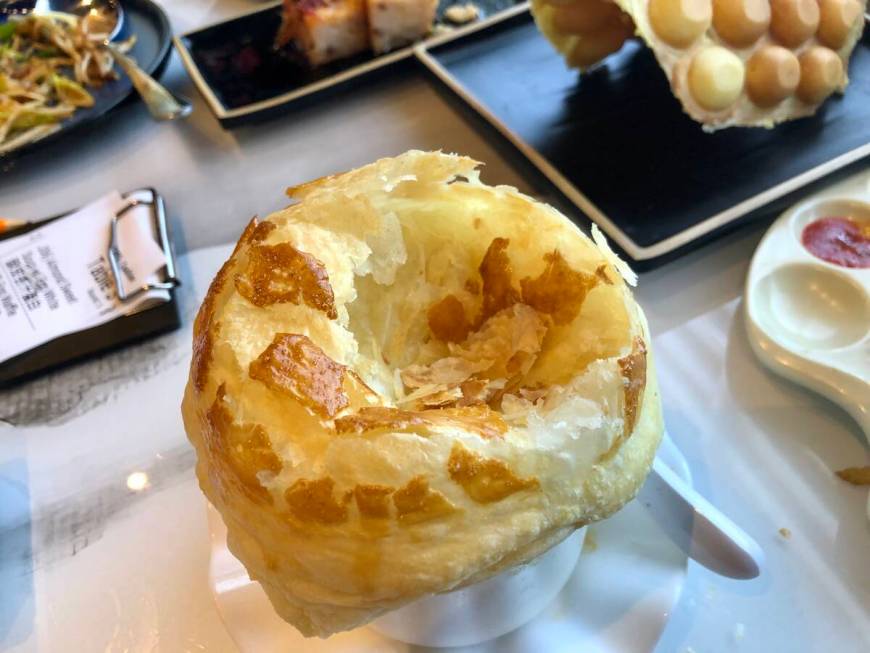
{"x": 244, "y": 79}
{"x": 617, "y": 144}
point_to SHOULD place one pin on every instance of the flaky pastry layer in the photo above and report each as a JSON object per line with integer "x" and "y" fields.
{"x": 408, "y": 381}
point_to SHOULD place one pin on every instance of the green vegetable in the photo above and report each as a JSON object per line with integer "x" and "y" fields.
{"x": 7, "y": 31}
{"x": 72, "y": 92}
{"x": 15, "y": 55}
{"x": 33, "y": 117}
{"x": 46, "y": 53}
{"x": 28, "y": 119}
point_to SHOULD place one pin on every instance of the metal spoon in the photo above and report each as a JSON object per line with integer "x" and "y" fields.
{"x": 162, "y": 104}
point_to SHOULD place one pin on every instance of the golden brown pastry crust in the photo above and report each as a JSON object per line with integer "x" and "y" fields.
{"x": 363, "y": 452}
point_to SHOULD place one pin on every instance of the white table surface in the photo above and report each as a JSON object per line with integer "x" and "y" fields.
{"x": 87, "y": 564}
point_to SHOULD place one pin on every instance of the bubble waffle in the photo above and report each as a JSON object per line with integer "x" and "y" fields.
{"x": 729, "y": 62}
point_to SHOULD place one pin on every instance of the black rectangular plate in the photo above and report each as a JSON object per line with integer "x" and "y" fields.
{"x": 244, "y": 79}
{"x": 619, "y": 137}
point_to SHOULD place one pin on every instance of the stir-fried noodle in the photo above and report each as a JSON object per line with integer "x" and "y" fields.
{"x": 46, "y": 64}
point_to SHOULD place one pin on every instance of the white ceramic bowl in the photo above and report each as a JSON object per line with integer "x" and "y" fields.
{"x": 489, "y": 609}
{"x": 630, "y": 583}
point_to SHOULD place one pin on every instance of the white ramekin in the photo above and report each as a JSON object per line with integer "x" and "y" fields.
{"x": 489, "y": 609}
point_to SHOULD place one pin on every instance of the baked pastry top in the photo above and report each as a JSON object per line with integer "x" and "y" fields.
{"x": 408, "y": 381}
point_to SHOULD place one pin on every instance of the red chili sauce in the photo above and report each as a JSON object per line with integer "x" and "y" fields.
{"x": 838, "y": 240}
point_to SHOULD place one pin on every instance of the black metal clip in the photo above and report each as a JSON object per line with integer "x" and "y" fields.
{"x": 170, "y": 279}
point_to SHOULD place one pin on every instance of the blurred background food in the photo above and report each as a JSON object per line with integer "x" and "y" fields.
{"x": 47, "y": 62}
{"x": 326, "y": 30}
{"x": 729, "y": 62}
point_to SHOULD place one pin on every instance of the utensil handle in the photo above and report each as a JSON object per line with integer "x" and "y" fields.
{"x": 160, "y": 102}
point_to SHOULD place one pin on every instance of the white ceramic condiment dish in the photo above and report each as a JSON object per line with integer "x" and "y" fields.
{"x": 808, "y": 319}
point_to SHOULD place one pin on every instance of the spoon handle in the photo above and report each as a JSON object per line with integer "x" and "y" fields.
{"x": 700, "y": 530}
{"x": 160, "y": 102}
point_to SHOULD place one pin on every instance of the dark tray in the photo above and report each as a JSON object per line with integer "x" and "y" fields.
{"x": 617, "y": 144}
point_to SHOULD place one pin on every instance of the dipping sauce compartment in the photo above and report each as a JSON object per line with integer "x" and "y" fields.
{"x": 812, "y": 307}
{"x": 835, "y": 231}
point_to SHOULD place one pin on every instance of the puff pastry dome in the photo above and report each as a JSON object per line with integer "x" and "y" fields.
{"x": 407, "y": 382}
